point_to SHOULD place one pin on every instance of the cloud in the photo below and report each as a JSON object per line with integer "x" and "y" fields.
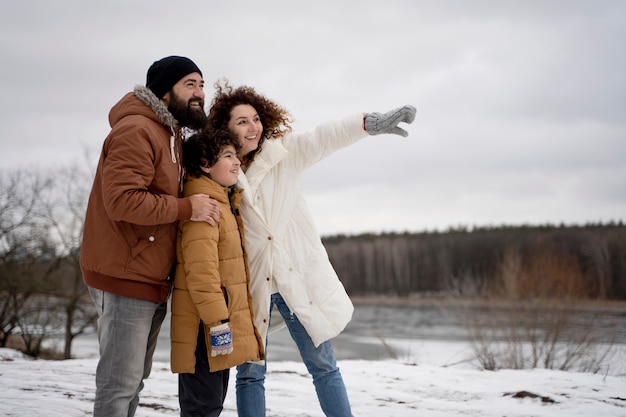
{"x": 520, "y": 104}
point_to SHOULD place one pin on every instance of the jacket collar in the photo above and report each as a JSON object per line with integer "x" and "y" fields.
{"x": 157, "y": 105}
{"x": 272, "y": 153}
{"x": 205, "y": 185}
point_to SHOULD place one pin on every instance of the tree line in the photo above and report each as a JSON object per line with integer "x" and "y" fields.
{"x": 577, "y": 262}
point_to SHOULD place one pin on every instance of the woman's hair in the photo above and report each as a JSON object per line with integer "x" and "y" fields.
{"x": 203, "y": 149}
{"x": 276, "y": 119}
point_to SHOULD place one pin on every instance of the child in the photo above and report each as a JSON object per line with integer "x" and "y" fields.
{"x": 212, "y": 326}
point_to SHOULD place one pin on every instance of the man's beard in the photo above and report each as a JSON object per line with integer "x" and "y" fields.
{"x": 187, "y": 116}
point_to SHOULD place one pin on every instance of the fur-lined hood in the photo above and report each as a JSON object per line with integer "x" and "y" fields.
{"x": 157, "y": 105}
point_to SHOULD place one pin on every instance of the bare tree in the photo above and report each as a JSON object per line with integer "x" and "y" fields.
{"x": 41, "y": 288}
{"x": 598, "y": 258}
{"x": 528, "y": 321}
{"x": 20, "y": 246}
{"x": 63, "y": 211}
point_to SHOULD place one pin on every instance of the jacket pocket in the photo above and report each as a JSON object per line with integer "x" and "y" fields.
{"x": 152, "y": 251}
{"x": 226, "y": 298}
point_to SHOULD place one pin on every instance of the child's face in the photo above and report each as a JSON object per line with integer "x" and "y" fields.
{"x": 226, "y": 169}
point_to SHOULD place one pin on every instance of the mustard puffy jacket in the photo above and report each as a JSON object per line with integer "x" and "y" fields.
{"x": 211, "y": 284}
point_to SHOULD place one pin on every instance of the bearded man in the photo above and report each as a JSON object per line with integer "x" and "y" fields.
{"x": 129, "y": 238}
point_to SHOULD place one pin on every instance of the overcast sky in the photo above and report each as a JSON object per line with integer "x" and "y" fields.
{"x": 521, "y": 104}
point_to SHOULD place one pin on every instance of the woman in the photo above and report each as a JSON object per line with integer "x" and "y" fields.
{"x": 289, "y": 267}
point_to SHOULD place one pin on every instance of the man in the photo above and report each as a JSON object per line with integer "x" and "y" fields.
{"x": 129, "y": 238}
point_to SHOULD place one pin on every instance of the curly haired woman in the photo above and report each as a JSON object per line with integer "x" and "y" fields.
{"x": 289, "y": 266}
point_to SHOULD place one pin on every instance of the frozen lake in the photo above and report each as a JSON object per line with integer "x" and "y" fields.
{"x": 388, "y": 329}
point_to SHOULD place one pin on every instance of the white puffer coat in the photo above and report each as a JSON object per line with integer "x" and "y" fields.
{"x": 281, "y": 237}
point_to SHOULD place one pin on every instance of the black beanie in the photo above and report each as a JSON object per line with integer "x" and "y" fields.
{"x": 164, "y": 73}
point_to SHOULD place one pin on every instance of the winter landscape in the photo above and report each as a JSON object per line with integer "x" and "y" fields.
{"x": 520, "y": 122}
{"x": 398, "y": 388}
{"x": 425, "y": 370}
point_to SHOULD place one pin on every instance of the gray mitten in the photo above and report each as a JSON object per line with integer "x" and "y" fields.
{"x": 377, "y": 123}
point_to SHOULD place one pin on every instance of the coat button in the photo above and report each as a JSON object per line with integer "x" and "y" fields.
{"x": 151, "y": 238}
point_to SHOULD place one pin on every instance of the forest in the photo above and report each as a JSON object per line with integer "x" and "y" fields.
{"x": 548, "y": 261}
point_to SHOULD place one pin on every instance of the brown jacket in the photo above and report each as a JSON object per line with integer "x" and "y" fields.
{"x": 129, "y": 237}
{"x": 211, "y": 284}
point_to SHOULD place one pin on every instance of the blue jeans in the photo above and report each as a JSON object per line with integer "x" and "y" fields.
{"x": 127, "y": 332}
{"x": 320, "y": 362}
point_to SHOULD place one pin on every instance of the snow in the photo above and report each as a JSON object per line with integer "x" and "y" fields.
{"x": 432, "y": 382}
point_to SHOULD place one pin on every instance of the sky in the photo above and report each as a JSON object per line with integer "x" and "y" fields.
{"x": 521, "y": 105}
{"x": 403, "y": 387}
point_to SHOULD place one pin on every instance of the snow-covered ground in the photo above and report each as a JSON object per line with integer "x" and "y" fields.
{"x": 432, "y": 381}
